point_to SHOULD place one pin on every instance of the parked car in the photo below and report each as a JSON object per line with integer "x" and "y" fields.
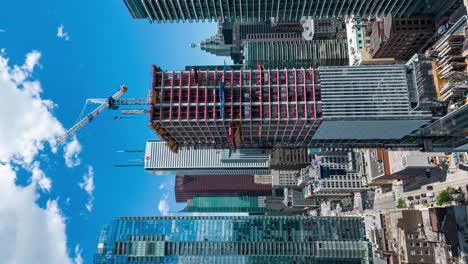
{"x": 423, "y": 195}
{"x": 417, "y": 197}
{"x": 430, "y": 194}
{"x": 430, "y": 188}
{"x": 410, "y": 198}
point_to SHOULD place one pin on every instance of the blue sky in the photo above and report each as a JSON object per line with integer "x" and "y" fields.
{"x": 100, "y": 47}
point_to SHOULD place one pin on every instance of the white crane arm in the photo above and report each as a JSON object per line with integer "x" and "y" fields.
{"x": 83, "y": 122}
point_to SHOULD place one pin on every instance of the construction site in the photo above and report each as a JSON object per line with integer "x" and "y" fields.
{"x": 235, "y": 108}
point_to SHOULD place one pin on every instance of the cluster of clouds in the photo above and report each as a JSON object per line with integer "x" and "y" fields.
{"x": 28, "y": 232}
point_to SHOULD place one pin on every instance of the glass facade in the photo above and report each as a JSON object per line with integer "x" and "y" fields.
{"x": 274, "y": 54}
{"x": 243, "y": 204}
{"x": 233, "y": 239}
{"x": 185, "y": 10}
{"x": 190, "y": 186}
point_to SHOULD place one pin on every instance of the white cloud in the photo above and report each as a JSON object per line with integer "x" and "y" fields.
{"x": 25, "y": 227}
{"x": 163, "y": 205}
{"x": 32, "y": 59}
{"x": 2, "y": 30}
{"x": 62, "y": 34}
{"x": 162, "y": 186}
{"x": 78, "y": 259}
{"x": 71, "y": 152}
{"x": 28, "y": 121}
{"x": 88, "y": 186}
{"x": 28, "y": 233}
{"x": 39, "y": 178}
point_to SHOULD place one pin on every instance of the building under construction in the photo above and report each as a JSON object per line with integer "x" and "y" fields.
{"x": 235, "y": 108}
{"x": 365, "y": 106}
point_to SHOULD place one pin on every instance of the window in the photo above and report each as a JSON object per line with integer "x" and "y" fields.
{"x": 412, "y": 252}
{"x": 425, "y": 244}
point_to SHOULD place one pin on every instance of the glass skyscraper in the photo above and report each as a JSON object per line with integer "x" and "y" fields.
{"x": 296, "y": 53}
{"x": 158, "y": 11}
{"x": 241, "y": 204}
{"x": 233, "y": 239}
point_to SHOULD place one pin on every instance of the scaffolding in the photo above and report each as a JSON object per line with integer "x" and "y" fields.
{"x": 235, "y": 108}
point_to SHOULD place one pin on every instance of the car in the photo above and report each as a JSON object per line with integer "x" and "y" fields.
{"x": 423, "y": 195}
{"x": 417, "y": 197}
{"x": 430, "y": 188}
{"x": 410, "y": 198}
{"x": 430, "y": 194}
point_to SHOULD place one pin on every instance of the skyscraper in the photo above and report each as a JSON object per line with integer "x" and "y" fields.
{"x": 400, "y": 38}
{"x": 159, "y": 158}
{"x": 190, "y": 186}
{"x": 233, "y": 239}
{"x": 296, "y": 53}
{"x": 249, "y": 109}
{"x": 230, "y": 36}
{"x": 253, "y": 205}
{"x": 170, "y": 10}
{"x": 368, "y": 104}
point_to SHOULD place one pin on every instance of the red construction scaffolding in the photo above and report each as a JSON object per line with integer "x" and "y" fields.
{"x": 189, "y": 109}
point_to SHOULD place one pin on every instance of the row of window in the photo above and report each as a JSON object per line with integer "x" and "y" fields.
{"x": 417, "y": 244}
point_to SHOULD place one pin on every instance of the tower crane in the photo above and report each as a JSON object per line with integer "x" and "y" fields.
{"x": 112, "y": 103}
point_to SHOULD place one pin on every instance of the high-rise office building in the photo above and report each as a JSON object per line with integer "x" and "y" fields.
{"x": 249, "y": 109}
{"x": 230, "y": 36}
{"x": 171, "y": 10}
{"x": 296, "y": 53}
{"x": 190, "y": 186}
{"x": 290, "y": 158}
{"x": 367, "y": 104}
{"x": 233, "y": 239}
{"x": 400, "y": 38}
{"x": 159, "y": 158}
{"x": 253, "y": 205}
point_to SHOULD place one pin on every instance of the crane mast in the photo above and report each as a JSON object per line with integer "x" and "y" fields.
{"x": 111, "y": 102}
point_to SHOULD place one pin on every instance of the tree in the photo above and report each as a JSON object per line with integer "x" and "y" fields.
{"x": 444, "y": 196}
{"x": 401, "y": 203}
